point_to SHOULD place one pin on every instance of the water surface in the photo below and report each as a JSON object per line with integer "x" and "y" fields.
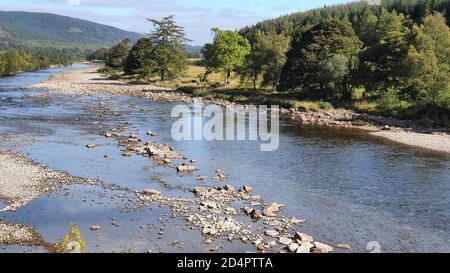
{"x": 352, "y": 188}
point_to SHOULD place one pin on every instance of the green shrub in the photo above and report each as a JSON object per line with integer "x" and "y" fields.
{"x": 389, "y": 101}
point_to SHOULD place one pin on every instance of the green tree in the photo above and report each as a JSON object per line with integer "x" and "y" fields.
{"x": 226, "y": 53}
{"x": 117, "y": 54}
{"x": 366, "y": 27}
{"x": 169, "y": 40}
{"x": 427, "y": 62}
{"x": 382, "y": 65}
{"x": 389, "y": 22}
{"x": 98, "y": 55}
{"x": 437, "y": 33}
{"x": 140, "y": 55}
{"x": 266, "y": 59}
{"x": 322, "y": 58}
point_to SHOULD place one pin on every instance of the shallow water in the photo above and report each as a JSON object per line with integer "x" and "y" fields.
{"x": 352, "y": 188}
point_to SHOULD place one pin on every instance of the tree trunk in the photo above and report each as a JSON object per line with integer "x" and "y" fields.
{"x": 227, "y": 77}
{"x": 163, "y": 76}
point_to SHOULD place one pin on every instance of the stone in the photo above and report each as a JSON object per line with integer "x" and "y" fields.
{"x": 151, "y": 192}
{"x": 231, "y": 211}
{"x": 208, "y": 241}
{"x": 127, "y": 153}
{"x": 150, "y": 133}
{"x": 199, "y": 190}
{"x": 193, "y": 161}
{"x": 95, "y": 227}
{"x": 247, "y": 209}
{"x": 323, "y": 248}
{"x": 201, "y": 177}
{"x": 268, "y": 213}
{"x": 108, "y": 135}
{"x": 303, "y": 237}
{"x": 166, "y": 161}
{"x": 344, "y": 246}
{"x": 91, "y": 146}
{"x": 209, "y": 204}
{"x": 260, "y": 247}
{"x": 297, "y": 221}
{"x": 285, "y": 241}
{"x": 304, "y": 247}
{"x": 271, "y": 233}
{"x": 229, "y": 188}
{"x": 256, "y": 215}
{"x": 247, "y": 189}
{"x": 186, "y": 168}
{"x": 292, "y": 247}
{"x": 275, "y": 207}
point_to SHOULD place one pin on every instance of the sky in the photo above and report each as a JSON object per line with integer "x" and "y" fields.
{"x": 196, "y": 16}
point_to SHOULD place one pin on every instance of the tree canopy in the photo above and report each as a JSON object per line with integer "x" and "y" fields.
{"x": 226, "y": 53}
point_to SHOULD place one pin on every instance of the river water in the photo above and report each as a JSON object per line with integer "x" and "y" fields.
{"x": 352, "y": 188}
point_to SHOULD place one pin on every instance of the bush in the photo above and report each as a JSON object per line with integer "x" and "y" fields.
{"x": 389, "y": 101}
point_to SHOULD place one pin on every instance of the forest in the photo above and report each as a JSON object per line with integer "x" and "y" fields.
{"x": 14, "y": 60}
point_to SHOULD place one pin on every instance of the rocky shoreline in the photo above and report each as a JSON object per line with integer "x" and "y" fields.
{"x": 89, "y": 82}
{"x": 22, "y": 181}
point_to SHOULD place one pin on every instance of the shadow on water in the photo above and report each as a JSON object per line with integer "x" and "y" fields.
{"x": 352, "y": 188}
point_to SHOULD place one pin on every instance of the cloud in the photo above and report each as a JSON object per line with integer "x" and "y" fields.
{"x": 73, "y": 2}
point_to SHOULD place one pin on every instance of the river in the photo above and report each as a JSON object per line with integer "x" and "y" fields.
{"x": 352, "y": 188}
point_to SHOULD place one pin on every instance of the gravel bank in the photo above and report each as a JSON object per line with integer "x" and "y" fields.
{"x": 89, "y": 82}
{"x": 18, "y": 235}
{"x": 439, "y": 143}
{"x": 21, "y": 180}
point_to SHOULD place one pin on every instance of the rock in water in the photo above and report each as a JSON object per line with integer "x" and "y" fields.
{"x": 293, "y": 247}
{"x": 91, "y": 146}
{"x": 303, "y": 237}
{"x": 323, "y": 248}
{"x": 271, "y": 233}
{"x": 151, "y": 192}
{"x": 247, "y": 189}
{"x": 186, "y": 168}
{"x": 344, "y": 246}
{"x": 95, "y": 227}
{"x": 304, "y": 247}
{"x": 268, "y": 213}
{"x": 285, "y": 241}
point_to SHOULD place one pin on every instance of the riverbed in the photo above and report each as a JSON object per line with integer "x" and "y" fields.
{"x": 351, "y": 187}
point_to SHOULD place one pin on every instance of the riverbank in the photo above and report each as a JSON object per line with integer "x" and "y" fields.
{"x": 22, "y": 181}
{"x": 89, "y": 82}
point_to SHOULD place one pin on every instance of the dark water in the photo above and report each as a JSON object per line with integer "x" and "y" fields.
{"x": 351, "y": 188}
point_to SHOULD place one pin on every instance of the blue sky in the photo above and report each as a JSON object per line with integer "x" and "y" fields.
{"x": 197, "y": 16}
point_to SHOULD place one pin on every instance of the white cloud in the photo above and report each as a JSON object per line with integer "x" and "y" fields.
{"x": 73, "y": 2}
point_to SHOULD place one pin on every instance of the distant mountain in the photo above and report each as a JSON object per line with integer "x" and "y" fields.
{"x": 194, "y": 50}
{"x": 45, "y": 29}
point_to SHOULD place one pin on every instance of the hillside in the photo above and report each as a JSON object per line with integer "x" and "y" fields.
{"x": 44, "y": 29}
{"x": 415, "y": 9}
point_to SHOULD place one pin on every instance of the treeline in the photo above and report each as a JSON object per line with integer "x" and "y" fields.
{"x": 162, "y": 54}
{"x": 396, "y": 63}
{"x": 289, "y": 24}
{"x": 14, "y": 60}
